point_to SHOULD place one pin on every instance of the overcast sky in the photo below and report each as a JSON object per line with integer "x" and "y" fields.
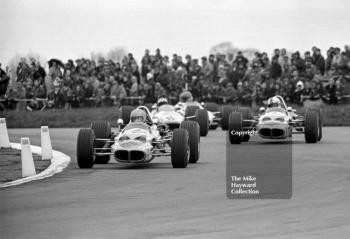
{"x": 74, "y": 28}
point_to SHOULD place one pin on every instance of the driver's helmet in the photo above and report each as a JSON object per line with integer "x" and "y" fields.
{"x": 162, "y": 100}
{"x": 186, "y": 97}
{"x": 138, "y": 115}
{"x": 274, "y": 102}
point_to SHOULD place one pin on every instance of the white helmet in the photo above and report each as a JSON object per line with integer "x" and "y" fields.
{"x": 138, "y": 115}
{"x": 274, "y": 102}
{"x": 162, "y": 100}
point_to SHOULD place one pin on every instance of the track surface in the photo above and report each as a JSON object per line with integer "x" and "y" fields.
{"x": 157, "y": 201}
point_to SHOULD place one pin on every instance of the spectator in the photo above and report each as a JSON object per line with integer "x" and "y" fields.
{"x": 275, "y": 68}
{"x": 56, "y": 98}
{"x": 299, "y": 91}
{"x": 117, "y": 93}
{"x": 4, "y": 81}
{"x": 331, "y": 92}
{"x": 318, "y": 61}
{"x": 39, "y": 94}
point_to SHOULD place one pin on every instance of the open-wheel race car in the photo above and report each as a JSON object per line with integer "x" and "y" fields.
{"x": 172, "y": 116}
{"x": 276, "y": 121}
{"x": 138, "y": 141}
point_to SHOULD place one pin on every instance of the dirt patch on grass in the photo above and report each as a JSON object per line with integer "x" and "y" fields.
{"x": 11, "y": 165}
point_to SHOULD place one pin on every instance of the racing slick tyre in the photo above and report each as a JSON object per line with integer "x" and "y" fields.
{"x": 124, "y": 113}
{"x": 149, "y": 106}
{"x": 102, "y": 130}
{"x": 192, "y": 128}
{"x": 203, "y": 121}
{"x": 311, "y": 126}
{"x": 180, "y": 148}
{"x": 246, "y": 115}
{"x": 245, "y": 138}
{"x": 85, "y": 148}
{"x": 225, "y": 115}
{"x": 191, "y": 111}
{"x": 320, "y": 123}
{"x": 235, "y": 125}
{"x": 211, "y": 107}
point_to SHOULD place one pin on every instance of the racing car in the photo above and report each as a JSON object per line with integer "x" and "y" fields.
{"x": 277, "y": 121}
{"x": 186, "y": 109}
{"x": 138, "y": 142}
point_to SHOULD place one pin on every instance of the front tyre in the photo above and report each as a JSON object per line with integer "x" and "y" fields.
{"x": 192, "y": 128}
{"x": 180, "y": 149}
{"x": 102, "y": 130}
{"x": 311, "y": 126}
{"x": 320, "y": 123}
{"x": 85, "y": 148}
{"x": 235, "y": 127}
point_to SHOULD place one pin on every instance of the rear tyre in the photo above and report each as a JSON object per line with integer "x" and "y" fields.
{"x": 180, "y": 148}
{"x": 192, "y": 128}
{"x": 124, "y": 113}
{"x": 235, "y": 126}
{"x": 246, "y": 115}
{"x": 311, "y": 127}
{"x": 85, "y": 148}
{"x": 102, "y": 130}
{"x": 225, "y": 115}
{"x": 203, "y": 121}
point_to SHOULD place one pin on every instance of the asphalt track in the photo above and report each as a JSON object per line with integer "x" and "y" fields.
{"x": 157, "y": 201}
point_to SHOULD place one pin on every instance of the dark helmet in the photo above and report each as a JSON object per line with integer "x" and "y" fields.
{"x": 186, "y": 96}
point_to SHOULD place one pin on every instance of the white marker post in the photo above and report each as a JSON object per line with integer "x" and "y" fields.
{"x": 28, "y": 168}
{"x": 4, "y": 136}
{"x": 46, "y": 148}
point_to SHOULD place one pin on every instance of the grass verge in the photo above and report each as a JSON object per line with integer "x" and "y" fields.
{"x": 11, "y": 165}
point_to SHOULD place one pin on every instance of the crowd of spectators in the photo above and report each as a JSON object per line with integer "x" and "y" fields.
{"x": 217, "y": 78}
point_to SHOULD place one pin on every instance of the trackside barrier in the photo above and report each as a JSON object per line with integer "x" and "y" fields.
{"x": 46, "y": 147}
{"x": 4, "y": 136}
{"x": 28, "y": 168}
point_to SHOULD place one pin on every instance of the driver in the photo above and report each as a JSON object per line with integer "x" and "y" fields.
{"x": 162, "y": 100}
{"x": 186, "y": 97}
{"x": 274, "y": 102}
{"x": 138, "y": 115}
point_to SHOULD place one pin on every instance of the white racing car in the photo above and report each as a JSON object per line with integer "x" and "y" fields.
{"x": 277, "y": 121}
{"x": 186, "y": 109}
{"x": 174, "y": 115}
{"x": 138, "y": 142}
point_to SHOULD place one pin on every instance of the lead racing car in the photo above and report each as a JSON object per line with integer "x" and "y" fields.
{"x": 186, "y": 109}
{"x": 277, "y": 121}
{"x": 138, "y": 142}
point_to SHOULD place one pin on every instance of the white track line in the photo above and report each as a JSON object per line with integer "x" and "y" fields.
{"x": 59, "y": 162}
